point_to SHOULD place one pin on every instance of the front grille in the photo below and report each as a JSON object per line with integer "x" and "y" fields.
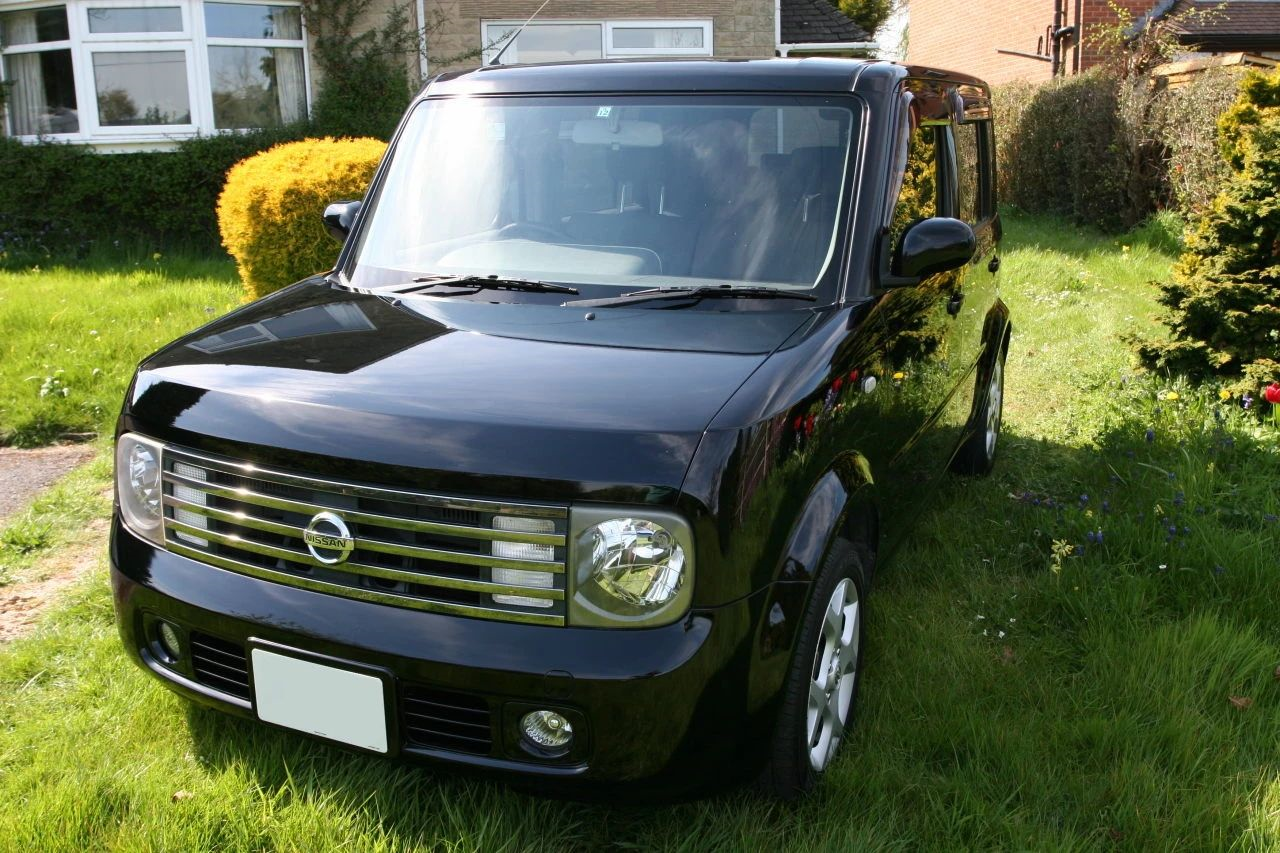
{"x": 446, "y": 720}
{"x": 219, "y": 664}
{"x": 465, "y": 557}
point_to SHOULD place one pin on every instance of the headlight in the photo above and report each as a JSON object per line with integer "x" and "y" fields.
{"x": 632, "y": 568}
{"x": 138, "y": 486}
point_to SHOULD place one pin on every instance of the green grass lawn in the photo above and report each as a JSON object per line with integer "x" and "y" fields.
{"x": 72, "y": 338}
{"x": 1052, "y": 660}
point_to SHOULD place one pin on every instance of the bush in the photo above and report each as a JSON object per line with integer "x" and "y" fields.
{"x": 1070, "y": 157}
{"x": 1009, "y": 101}
{"x": 1186, "y": 124}
{"x": 363, "y": 99}
{"x": 64, "y": 201}
{"x": 1110, "y": 151}
{"x": 269, "y": 211}
{"x": 1223, "y": 305}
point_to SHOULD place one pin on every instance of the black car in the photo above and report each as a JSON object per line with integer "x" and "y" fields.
{"x": 578, "y": 466}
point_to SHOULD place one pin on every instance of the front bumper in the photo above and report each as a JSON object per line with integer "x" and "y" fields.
{"x": 673, "y": 709}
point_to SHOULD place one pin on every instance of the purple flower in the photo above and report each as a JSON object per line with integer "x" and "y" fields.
{"x": 1084, "y": 499}
{"x": 1151, "y": 435}
{"x": 1217, "y": 570}
{"x": 1179, "y": 499}
{"x": 1246, "y": 401}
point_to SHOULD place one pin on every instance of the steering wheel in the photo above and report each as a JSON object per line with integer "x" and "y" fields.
{"x": 515, "y": 230}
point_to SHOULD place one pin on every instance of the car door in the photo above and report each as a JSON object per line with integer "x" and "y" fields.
{"x": 968, "y": 178}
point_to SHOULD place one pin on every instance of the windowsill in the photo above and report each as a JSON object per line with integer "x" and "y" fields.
{"x": 120, "y": 143}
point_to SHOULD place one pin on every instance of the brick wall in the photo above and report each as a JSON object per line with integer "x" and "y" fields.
{"x": 740, "y": 28}
{"x": 1098, "y": 14}
{"x": 961, "y": 35}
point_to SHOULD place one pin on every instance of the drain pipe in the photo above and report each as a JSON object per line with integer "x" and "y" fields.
{"x": 422, "y": 38}
{"x": 777, "y": 28}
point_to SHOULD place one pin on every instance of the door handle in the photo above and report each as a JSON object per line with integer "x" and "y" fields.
{"x": 994, "y": 265}
{"x": 955, "y": 304}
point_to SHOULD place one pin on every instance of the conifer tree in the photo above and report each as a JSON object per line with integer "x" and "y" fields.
{"x": 1223, "y": 305}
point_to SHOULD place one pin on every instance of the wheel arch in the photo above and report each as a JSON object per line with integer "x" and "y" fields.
{"x": 842, "y": 504}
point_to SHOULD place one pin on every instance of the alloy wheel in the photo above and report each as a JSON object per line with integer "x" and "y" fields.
{"x": 995, "y": 404}
{"x": 834, "y": 674}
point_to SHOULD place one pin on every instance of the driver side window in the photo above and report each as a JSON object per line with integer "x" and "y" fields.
{"x": 918, "y": 197}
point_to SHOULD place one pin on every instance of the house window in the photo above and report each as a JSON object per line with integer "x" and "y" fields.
{"x": 39, "y": 72}
{"x": 136, "y": 70}
{"x": 557, "y": 41}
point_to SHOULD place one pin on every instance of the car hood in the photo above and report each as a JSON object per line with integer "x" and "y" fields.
{"x": 405, "y": 392}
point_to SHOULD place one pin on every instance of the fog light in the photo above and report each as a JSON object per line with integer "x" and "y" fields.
{"x": 547, "y": 731}
{"x": 169, "y": 640}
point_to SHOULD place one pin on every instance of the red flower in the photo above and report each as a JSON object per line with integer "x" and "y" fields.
{"x": 853, "y": 375}
{"x": 838, "y": 384}
{"x": 808, "y": 425}
{"x": 798, "y": 423}
{"x": 1272, "y": 393}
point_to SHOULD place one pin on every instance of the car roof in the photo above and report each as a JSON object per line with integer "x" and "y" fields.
{"x": 809, "y": 74}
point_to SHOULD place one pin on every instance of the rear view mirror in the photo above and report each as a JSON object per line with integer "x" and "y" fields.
{"x": 339, "y": 217}
{"x": 934, "y": 245}
{"x": 624, "y": 134}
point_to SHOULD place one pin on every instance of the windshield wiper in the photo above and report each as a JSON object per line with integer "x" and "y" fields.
{"x": 691, "y": 294}
{"x": 485, "y": 282}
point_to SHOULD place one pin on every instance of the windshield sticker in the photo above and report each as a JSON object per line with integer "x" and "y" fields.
{"x": 603, "y": 112}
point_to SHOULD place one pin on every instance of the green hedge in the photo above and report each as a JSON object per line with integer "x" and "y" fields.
{"x": 1108, "y": 151}
{"x": 67, "y": 201}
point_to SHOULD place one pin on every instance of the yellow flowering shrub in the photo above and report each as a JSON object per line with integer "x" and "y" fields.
{"x": 270, "y": 209}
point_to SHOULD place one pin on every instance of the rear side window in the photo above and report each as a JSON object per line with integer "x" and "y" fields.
{"x": 975, "y": 198}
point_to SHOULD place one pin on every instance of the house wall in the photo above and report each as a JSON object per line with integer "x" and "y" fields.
{"x": 1098, "y": 15}
{"x": 740, "y": 28}
{"x": 960, "y": 35}
{"x": 965, "y": 36}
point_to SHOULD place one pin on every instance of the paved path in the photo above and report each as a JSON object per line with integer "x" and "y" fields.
{"x": 25, "y": 473}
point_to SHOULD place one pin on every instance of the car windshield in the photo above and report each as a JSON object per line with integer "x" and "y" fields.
{"x": 613, "y": 193}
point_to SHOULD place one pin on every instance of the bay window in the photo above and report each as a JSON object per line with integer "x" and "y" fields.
{"x": 559, "y": 41}
{"x": 148, "y": 70}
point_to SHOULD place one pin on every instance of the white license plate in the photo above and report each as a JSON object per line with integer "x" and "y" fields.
{"x": 333, "y": 703}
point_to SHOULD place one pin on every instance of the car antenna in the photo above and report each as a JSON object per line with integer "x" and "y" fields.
{"x": 517, "y": 33}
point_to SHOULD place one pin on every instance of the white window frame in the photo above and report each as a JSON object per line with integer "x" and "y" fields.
{"x": 607, "y": 51}
{"x": 192, "y": 41}
{"x": 68, "y": 43}
{"x": 81, "y": 11}
{"x": 221, "y": 41}
{"x": 92, "y": 121}
{"x": 612, "y": 52}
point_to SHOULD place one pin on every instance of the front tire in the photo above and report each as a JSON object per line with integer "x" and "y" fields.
{"x": 822, "y": 684}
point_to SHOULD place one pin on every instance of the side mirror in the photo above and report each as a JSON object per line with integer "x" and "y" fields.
{"x": 934, "y": 245}
{"x": 339, "y": 217}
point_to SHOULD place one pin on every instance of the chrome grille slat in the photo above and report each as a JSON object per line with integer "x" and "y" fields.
{"x": 416, "y": 525}
{"x": 414, "y": 550}
{"x": 367, "y": 544}
{"x": 245, "y": 469}
{"x": 364, "y": 569}
{"x": 532, "y": 617}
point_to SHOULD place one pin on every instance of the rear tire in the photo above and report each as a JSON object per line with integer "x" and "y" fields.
{"x": 821, "y": 690}
{"x": 978, "y": 454}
